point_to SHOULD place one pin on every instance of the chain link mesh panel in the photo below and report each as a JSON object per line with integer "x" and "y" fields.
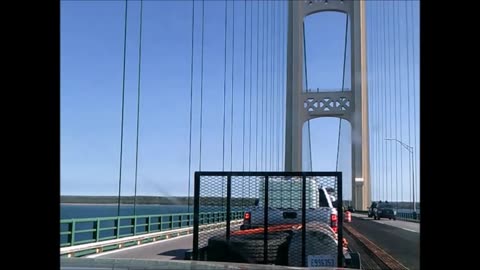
{"x": 303, "y": 226}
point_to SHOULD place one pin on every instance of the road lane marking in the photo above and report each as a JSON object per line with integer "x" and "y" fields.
{"x": 410, "y": 230}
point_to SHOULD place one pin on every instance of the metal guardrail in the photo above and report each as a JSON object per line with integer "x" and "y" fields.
{"x": 401, "y": 216}
{"x": 91, "y": 230}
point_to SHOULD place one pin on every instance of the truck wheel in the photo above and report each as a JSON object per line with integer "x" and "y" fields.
{"x": 249, "y": 248}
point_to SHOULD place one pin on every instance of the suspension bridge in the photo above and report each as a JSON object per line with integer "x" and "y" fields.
{"x": 309, "y": 85}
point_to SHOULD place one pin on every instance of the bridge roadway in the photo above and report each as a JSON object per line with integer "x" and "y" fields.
{"x": 169, "y": 249}
{"x": 398, "y": 238}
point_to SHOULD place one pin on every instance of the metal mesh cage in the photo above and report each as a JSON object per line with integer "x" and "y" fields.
{"x": 304, "y": 221}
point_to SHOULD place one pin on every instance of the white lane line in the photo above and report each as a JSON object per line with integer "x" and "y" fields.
{"x": 410, "y": 230}
{"x": 137, "y": 246}
{"x": 395, "y": 225}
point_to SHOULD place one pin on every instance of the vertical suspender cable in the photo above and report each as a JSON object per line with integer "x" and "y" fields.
{"x": 224, "y": 87}
{"x": 262, "y": 124}
{"x": 343, "y": 88}
{"x": 384, "y": 103}
{"x": 274, "y": 131}
{"x": 395, "y": 107}
{"x": 284, "y": 86}
{"x": 244, "y": 90}
{"x": 264, "y": 87}
{"x": 277, "y": 41}
{"x": 377, "y": 106}
{"x": 414, "y": 99}
{"x": 233, "y": 93}
{"x": 244, "y": 79}
{"x": 390, "y": 109}
{"x": 138, "y": 107}
{"x": 400, "y": 104}
{"x": 250, "y": 100}
{"x": 306, "y": 86}
{"x": 408, "y": 92}
{"x": 123, "y": 109}
{"x": 257, "y": 92}
{"x": 201, "y": 90}
{"x": 191, "y": 111}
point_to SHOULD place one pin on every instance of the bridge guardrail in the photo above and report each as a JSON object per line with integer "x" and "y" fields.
{"x": 89, "y": 230}
{"x": 400, "y": 215}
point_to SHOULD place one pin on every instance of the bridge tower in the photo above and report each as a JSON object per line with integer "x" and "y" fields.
{"x": 349, "y": 105}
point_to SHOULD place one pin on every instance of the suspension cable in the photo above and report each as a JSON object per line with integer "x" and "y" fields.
{"x": 191, "y": 110}
{"x": 390, "y": 109}
{"x": 263, "y": 66}
{"x": 250, "y": 100}
{"x": 244, "y": 80}
{"x": 123, "y": 107}
{"x": 201, "y": 89}
{"x": 277, "y": 58}
{"x": 408, "y": 92}
{"x": 395, "y": 108}
{"x": 250, "y": 91}
{"x": 284, "y": 83}
{"x": 244, "y": 92}
{"x": 372, "y": 73}
{"x": 257, "y": 89}
{"x": 273, "y": 141}
{"x": 224, "y": 87}
{"x": 343, "y": 89}
{"x": 306, "y": 86}
{"x": 414, "y": 101}
{"x": 138, "y": 107}
{"x": 384, "y": 104}
{"x": 268, "y": 86}
{"x": 377, "y": 105}
{"x": 401, "y": 107}
{"x": 265, "y": 115}
{"x": 233, "y": 93}
{"x": 272, "y": 129}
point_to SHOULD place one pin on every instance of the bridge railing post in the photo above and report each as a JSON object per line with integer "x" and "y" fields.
{"x": 72, "y": 236}
{"x": 135, "y": 225}
{"x": 117, "y": 225}
{"x": 149, "y": 221}
{"x": 97, "y": 232}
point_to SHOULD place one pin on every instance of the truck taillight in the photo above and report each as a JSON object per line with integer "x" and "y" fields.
{"x": 333, "y": 222}
{"x": 246, "y": 216}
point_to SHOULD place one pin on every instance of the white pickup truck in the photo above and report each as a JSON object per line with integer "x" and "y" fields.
{"x": 285, "y": 204}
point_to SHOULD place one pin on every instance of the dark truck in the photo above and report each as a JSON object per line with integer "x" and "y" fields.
{"x": 382, "y": 210}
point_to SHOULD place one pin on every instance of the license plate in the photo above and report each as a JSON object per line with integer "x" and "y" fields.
{"x": 321, "y": 261}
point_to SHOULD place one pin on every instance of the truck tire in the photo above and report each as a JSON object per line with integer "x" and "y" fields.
{"x": 249, "y": 248}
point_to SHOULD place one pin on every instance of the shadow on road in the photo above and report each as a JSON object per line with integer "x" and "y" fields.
{"x": 179, "y": 254}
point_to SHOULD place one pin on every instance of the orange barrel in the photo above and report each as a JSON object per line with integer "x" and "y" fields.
{"x": 348, "y": 216}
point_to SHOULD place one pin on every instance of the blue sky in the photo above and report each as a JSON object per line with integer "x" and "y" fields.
{"x": 91, "y": 84}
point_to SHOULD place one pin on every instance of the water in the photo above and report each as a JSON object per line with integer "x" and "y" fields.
{"x": 68, "y": 211}
{"x": 407, "y": 211}
{"x": 75, "y": 211}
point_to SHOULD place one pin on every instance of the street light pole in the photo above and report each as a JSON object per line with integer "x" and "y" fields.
{"x": 410, "y": 149}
